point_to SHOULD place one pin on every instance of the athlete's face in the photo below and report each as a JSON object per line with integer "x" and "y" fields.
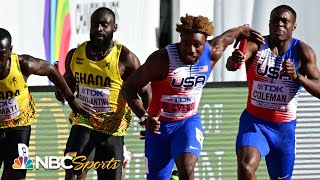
{"x": 102, "y": 28}
{"x": 191, "y": 47}
{"x": 281, "y": 25}
{"x": 5, "y": 52}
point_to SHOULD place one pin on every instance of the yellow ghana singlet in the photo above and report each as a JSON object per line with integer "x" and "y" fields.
{"x": 99, "y": 83}
{"x": 17, "y": 107}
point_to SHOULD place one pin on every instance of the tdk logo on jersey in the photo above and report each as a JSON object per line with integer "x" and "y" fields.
{"x": 178, "y": 99}
{"x": 270, "y": 88}
{"x": 271, "y": 72}
{"x": 192, "y": 81}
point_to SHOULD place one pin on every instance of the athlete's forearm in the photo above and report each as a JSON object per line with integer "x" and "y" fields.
{"x": 57, "y": 79}
{"x": 312, "y": 86}
{"x": 133, "y": 100}
{"x": 229, "y": 36}
{"x": 146, "y": 96}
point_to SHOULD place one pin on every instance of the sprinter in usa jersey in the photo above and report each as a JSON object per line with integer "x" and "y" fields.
{"x": 178, "y": 74}
{"x": 276, "y": 71}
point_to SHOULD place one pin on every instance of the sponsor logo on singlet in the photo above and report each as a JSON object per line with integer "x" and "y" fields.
{"x": 270, "y": 95}
{"x": 99, "y": 98}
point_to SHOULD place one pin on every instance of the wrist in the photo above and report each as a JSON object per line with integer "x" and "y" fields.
{"x": 143, "y": 118}
{"x": 70, "y": 99}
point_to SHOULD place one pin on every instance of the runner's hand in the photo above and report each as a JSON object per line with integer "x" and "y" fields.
{"x": 289, "y": 69}
{"x": 152, "y": 124}
{"x": 81, "y": 107}
{"x": 237, "y": 57}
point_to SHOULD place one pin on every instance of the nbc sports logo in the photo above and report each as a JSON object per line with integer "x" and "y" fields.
{"x": 23, "y": 161}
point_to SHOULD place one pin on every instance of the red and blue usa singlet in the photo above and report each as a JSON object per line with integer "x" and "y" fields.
{"x": 180, "y": 92}
{"x": 273, "y": 96}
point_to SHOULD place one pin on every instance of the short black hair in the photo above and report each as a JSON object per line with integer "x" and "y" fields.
{"x": 4, "y": 34}
{"x": 286, "y": 7}
{"x": 104, "y": 9}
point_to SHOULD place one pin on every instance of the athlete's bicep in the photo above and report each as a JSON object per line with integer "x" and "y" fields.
{"x": 155, "y": 68}
{"x": 309, "y": 62}
{"x": 31, "y": 65}
{"x": 129, "y": 63}
{"x": 68, "y": 76}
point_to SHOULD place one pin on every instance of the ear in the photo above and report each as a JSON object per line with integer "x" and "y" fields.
{"x": 11, "y": 49}
{"x": 294, "y": 26}
{"x": 115, "y": 27}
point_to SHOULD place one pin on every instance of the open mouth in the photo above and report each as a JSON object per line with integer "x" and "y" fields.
{"x": 279, "y": 31}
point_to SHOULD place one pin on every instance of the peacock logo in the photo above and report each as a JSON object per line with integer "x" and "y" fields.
{"x": 23, "y": 161}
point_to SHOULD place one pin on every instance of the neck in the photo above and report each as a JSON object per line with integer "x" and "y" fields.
{"x": 101, "y": 50}
{"x": 101, "y": 47}
{"x": 279, "y": 47}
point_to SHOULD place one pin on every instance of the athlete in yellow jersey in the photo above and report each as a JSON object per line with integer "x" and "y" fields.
{"x": 96, "y": 70}
{"x": 17, "y": 107}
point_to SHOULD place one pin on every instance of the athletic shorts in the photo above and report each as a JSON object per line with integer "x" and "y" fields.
{"x": 9, "y": 140}
{"x": 274, "y": 141}
{"x": 176, "y": 137}
{"x": 96, "y": 147}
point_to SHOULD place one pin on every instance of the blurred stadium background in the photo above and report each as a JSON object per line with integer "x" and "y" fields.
{"x": 49, "y": 28}
{"x": 220, "y": 108}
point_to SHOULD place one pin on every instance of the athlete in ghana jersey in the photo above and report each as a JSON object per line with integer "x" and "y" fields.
{"x": 17, "y": 106}
{"x": 178, "y": 74}
{"x": 96, "y": 70}
{"x": 275, "y": 72}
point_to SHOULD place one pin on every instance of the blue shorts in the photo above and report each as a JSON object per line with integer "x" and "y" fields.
{"x": 176, "y": 138}
{"x": 274, "y": 141}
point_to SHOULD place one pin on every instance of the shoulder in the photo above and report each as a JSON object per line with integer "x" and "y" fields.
{"x": 125, "y": 51}
{"x": 305, "y": 50}
{"x": 126, "y": 55}
{"x": 158, "y": 58}
{"x": 304, "y": 47}
{"x": 71, "y": 52}
{"x": 25, "y": 60}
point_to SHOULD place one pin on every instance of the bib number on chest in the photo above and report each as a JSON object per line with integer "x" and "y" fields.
{"x": 99, "y": 98}
{"x": 9, "y": 109}
{"x": 270, "y": 96}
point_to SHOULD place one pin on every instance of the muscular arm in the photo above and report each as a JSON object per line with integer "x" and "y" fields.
{"x": 30, "y": 65}
{"x": 129, "y": 64}
{"x": 155, "y": 68}
{"x": 309, "y": 68}
{"x": 221, "y": 42}
{"x": 68, "y": 76}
